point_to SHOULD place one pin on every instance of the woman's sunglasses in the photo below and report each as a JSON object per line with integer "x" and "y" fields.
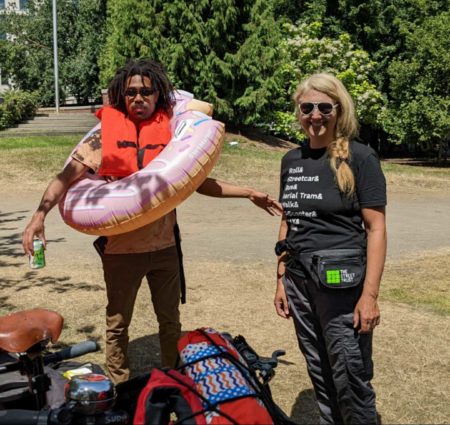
{"x": 325, "y": 108}
{"x": 144, "y": 92}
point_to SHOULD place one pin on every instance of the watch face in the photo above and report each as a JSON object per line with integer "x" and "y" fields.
{"x": 280, "y": 247}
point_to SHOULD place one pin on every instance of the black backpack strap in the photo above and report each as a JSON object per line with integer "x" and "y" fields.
{"x": 176, "y": 231}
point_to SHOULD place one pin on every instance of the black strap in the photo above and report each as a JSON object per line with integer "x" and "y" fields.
{"x": 280, "y": 247}
{"x": 176, "y": 231}
{"x": 262, "y": 391}
{"x": 126, "y": 144}
{"x": 140, "y": 151}
{"x": 209, "y": 406}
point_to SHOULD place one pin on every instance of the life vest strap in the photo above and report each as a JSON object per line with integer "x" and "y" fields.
{"x": 140, "y": 150}
{"x": 126, "y": 144}
{"x": 141, "y": 153}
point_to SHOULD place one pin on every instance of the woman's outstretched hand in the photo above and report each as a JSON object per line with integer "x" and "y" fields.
{"x": 266, "y": 202}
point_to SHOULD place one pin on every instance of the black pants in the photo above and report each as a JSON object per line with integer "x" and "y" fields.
{"x": 339, "y": 360}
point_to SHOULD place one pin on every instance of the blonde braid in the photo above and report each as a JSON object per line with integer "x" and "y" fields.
{"x": 339, "y": 154}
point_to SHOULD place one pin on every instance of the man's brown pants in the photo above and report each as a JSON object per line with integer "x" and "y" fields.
{"x": 123, "y": 276}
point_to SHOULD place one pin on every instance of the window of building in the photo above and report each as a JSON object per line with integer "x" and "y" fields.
{"x": 2, "y": 4}
{"x": 23, "y": 4}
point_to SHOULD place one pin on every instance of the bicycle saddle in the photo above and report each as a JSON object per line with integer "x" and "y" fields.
{"x": 20, "y": 331}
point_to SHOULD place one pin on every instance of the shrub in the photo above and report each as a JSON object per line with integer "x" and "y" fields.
{"x": 285, "y": 125}
{"x": 306, "y": 53}
{"x": 16, "y": 107}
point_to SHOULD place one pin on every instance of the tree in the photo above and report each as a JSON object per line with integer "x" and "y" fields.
{"x": 200, "y": 37}
{"x": 306, "y": 53}
{"x": 419, "y": 111}
{"x": 132, "y": 30}
{"x": 80, "y": 69}
{"x": 28, "y": 49}
{"x": 256, "y": 87}
{"x": 192, "y": 39}
{"x": 377, "y": 26}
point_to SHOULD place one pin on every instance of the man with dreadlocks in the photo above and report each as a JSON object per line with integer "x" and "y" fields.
{"x": 139, "y": 96}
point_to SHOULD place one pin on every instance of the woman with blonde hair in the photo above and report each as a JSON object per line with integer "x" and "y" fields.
{"x": 331, "y": 250}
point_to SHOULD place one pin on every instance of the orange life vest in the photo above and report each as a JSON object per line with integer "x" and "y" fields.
{"x": 125, "y": 148}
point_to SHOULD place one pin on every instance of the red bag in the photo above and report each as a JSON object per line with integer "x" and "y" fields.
{"x": 229, "y": 394}
{"x": 168, "y": 391}
{"x": 216, "y": 387}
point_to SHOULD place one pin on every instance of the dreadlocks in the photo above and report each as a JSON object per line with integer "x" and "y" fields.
{"x": 145, "y": 68}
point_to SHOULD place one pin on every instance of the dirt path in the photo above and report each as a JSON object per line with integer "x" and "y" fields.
{"x": 225, "y": 230}
{"x": 233, "y": 230}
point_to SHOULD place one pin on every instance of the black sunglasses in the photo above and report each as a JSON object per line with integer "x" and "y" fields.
{"x": 325, "y": 108}
{"x": 144, "y": 92}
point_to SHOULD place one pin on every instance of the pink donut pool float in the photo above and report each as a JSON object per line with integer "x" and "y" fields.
{"x": 96, "y": 207}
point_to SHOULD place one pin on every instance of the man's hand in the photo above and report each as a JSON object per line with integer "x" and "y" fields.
{"x": 267, "y": 203}
{"x": 35, "y": 228}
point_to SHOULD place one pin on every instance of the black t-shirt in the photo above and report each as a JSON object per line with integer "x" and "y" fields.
{"x": 319, "y": 216}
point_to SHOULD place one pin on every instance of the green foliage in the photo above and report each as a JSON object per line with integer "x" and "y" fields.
{"x": 17, "y": 106}
{"x": 200, "y": 37}
{"x": 305, "y": 53}
{"x": 419, "y": 111}
{"x": 256, "y": 85}
{"x": 132, "y": 31}
{"x": 27, "y": 54}
{"x": 285, "y": 125}
{"x": 79, "y": 66}
{"x": 377, "y": 26}
{"x": 194, "y": 40}
{"x": 247, "y": 56}
{"x": 309, "y": 54}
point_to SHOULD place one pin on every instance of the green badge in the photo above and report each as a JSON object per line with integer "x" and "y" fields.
{"x": 334, "y": 277}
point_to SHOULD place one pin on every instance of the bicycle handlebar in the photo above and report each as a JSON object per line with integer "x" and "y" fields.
{"x": 71, "y": 352}
{"x": 28, "y": 417}
{"x": 62, "y": 416}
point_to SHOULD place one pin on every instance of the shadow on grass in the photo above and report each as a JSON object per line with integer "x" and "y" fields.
{"x": 144, "y": 354}
{"x": 8, "y": 216}
{"x": 32, "y": 280}
{"x": 11, "y": 243}
{"x": 305, "y": 411}
{"x": 11, "y": 246}
{"x": 255, "y": 134}
{"x": 6, "y": 306}
{"x": 419, "y": 162}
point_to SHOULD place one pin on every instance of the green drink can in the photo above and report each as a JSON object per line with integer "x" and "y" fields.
{"x": 37, "y": 260}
